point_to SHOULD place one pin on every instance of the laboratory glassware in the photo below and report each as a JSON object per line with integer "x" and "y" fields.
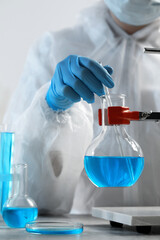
{"x": 55, "y": 228}
{"x": 113, "y": 159}
{"x": 6, "y": 159}
{"x": 19, "y": 208}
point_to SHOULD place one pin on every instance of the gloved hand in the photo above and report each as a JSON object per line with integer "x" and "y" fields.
{"x": 75, "y": 78}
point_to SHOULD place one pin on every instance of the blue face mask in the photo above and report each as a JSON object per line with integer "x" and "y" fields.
{"x": 135, "y": 12}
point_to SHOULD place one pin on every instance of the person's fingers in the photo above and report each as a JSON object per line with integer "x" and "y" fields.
{"x": 92, "y": 83}
{"x": 83, "y": 90}
{"x": 97, "y": 70}
{"x": 69, "y": 93}
{"x": 77, "y": 85}
{"x": 81, "y": 77}
{"x": 63, "y": 89}
{"x": 109, "y": 69}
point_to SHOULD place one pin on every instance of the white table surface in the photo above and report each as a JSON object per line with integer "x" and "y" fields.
{"x": 94, "y": 228}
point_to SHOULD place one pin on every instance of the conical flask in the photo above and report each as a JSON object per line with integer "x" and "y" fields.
{"x": 19, "y": 209}
{"x": 113, "y": 159}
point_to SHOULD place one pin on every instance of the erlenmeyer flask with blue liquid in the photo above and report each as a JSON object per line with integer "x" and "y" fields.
{"x": 113, "y": 159}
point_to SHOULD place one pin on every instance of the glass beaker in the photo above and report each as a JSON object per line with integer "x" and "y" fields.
{"x": 113, "y": 159}
{"x": 19, "y": 208}
{"x": 6, "y": 159}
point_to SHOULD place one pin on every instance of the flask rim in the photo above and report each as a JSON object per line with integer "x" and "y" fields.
{"x": 114, "y": 95}
{"x": 113, "y": 100}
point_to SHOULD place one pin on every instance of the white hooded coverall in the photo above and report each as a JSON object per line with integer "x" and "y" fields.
{"x": 54, "y": 144}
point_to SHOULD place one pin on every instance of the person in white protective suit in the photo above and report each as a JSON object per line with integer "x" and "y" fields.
{"x": 53, "y": 120}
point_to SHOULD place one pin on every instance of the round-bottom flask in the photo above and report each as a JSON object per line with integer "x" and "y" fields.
{"x": 113, "y": 159}
{"x": 19, "y": 208}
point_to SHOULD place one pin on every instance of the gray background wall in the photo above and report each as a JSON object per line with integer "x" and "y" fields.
{"x": 21, "y": 23}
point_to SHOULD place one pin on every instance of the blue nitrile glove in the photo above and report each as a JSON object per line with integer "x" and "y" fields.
{"x": 77, "y": 77}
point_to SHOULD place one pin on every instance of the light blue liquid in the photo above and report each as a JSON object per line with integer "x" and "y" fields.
{"x": 113, "y": 171}
{"x": 18, "y": 217}
{"x": 55, "y": 231}
{"x": 6, "y": 152}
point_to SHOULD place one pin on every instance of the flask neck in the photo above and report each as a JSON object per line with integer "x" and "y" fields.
{"x": 111, "y": 100}
{"x": 20, "y": 180}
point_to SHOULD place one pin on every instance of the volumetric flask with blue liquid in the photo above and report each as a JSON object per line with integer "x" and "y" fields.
{"x": 6, "y": 159}
{"x": 113, "y": 159}
{"x": 19, "y": 209}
